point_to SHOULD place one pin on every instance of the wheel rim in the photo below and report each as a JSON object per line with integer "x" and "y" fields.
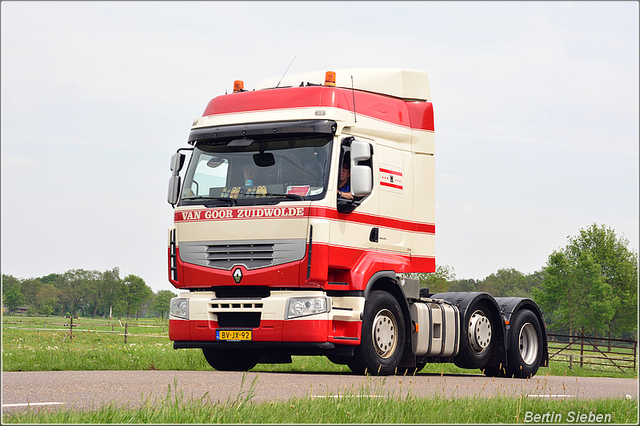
{"x": 384, "y": 334}
{"x": 528, "y": 343}
{"x": 479, "y": 331}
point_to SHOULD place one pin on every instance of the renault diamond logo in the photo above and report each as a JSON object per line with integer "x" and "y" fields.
{"x": 237, "y": 275}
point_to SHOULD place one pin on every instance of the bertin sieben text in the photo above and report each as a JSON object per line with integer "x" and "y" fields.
{"x": 570, "y": 417}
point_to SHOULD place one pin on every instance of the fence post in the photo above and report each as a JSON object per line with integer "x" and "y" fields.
{"x": 71, "y": 325}
{"x": 581, "y": 347}
{"x": 570, "y": 362}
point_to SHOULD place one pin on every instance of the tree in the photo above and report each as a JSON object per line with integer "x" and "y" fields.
{"x": 592, "y": 283}
{"x": 135, "y": 293}
{"x": 47, "y": 299}
{"x": 533, "y": 280}
{"x": 161, "y": 303}
{"x": 13, "y": 298}
{"x": 464, "y": 285}
{"x": 9, "y": 281}
{"x": 438, "y": 281}
{"x": 74, "y": 286}
{"x": 112, "y": 291}
{"x": 92, "y": 291}
{"x": 30, "y": 288}
{"x": 50, "y": 279}
{"x": 505, "y": 283}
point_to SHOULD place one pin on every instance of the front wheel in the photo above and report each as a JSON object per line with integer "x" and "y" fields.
{"x": 382, "y": 343}
{"x": 525, "y": 345}
{"x": 231, "y": 359}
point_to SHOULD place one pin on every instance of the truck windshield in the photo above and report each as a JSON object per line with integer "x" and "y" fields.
{"x": 254, "y": 171}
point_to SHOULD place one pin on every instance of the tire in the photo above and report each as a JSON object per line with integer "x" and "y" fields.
{"x": 383, "y": 337}
{"x": 231, "y": 359}
{"x": 478, "y": 332}
{"x": 525, "y": 345}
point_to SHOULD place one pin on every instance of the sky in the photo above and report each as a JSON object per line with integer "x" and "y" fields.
{"x": 536, "y": 117}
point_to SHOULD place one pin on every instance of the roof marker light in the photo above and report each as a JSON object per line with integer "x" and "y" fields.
{"x": 238, "y": 86}
{"x": 330, "y": 79}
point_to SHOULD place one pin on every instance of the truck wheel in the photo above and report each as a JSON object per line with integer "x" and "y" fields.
{"x": 231, "y": 359}
{"x": 477, "y": 334}
{"x": 382, "y": 343}
{"x": 525, "y": 345}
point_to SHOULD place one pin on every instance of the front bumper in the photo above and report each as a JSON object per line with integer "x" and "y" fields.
{"x": 266, "y": 318}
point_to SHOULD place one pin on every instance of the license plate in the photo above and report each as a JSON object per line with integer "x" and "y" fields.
{"x": 233, "y": 334}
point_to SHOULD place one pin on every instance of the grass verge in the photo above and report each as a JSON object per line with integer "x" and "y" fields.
{"x": 363, "y": 407}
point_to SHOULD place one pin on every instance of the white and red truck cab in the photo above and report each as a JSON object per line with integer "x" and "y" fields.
{"x": 276, "y": 258}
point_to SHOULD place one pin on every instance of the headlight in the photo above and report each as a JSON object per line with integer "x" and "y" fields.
{"x": 179, "y": 307}
{"x": 303, "y": 306}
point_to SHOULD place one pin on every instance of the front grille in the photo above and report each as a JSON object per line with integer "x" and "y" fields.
{"x": 239, "y": 319}
{"x": 251, "y": 255}
{"x": 215, "y": 306}
{"x": 224, "y": 255}
{"x": 244, "y": 292}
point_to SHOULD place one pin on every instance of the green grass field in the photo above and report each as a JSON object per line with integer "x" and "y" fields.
{"x": 44, "y": 344}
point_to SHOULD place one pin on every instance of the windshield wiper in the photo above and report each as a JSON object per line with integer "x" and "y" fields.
{"x": 230, "y": 201}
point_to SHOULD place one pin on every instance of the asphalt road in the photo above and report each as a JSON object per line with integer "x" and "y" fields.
{"x": 86, "y": 389}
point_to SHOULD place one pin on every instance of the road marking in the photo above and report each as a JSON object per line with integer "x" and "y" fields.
{"x": 32, "y": 403}
{"x": 551, "y": 396}
{"x": 348, "y": 396}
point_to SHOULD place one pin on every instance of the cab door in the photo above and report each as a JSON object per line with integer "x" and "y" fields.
{"x": 353, "y": 251}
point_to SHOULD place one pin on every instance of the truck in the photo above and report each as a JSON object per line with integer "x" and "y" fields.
{"x": 275, "y": 256}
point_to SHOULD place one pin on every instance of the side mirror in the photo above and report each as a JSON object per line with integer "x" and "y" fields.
{"x": 177, "y": 161}
{"x": 174, "y": 190}
{"x": 361, "y": 174}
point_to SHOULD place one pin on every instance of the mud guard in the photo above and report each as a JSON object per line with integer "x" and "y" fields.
{"x": 509, "y": 306}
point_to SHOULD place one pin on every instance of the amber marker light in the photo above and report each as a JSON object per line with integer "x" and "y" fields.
{"x": 238, "y": 86}
{"x": 330, "y": 79}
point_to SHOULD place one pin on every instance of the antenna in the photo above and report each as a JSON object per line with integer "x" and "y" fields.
{"x": 353, "y": 92}
{"x": 285, "y": 72}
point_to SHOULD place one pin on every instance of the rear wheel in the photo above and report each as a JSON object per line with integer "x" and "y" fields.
{"x": 480, "y": 331}
{"x": 525, "y": 345}
{"x": 231, "y": 359}
{"x": 382, "y": 343}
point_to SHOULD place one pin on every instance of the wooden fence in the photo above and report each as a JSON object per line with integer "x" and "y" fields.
{"x": 593, "y": 352}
